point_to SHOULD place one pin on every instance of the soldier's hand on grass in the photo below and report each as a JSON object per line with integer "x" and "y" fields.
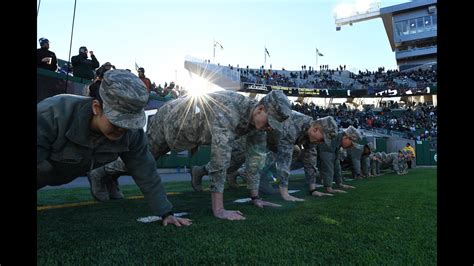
{"x": 176, "y": 221}
{"x": 346, "y": 186}
{"x": 260, "y": 203}
{"x": 229, "y": 215}
{"x": 288, "y": 197}
{"x": 320, "y": 194}
{"x": 331, "y": 190}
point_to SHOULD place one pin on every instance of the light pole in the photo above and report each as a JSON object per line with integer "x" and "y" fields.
{"x": 214, "y": 52}
{"x": 316, "y": 58}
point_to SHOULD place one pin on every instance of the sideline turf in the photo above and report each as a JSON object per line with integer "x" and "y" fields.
{"x": 390, "y": 219}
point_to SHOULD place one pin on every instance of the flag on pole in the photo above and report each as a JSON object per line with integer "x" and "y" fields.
{"x": 220, "y": 45}
{"x": 266, "y": 51}
{"x": 136, "y": 66}
{"x": 317, "y": 51}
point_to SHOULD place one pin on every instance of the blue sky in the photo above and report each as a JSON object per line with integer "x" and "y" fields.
{"x": 159, "y": 34}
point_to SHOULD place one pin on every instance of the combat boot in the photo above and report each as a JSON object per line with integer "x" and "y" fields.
{"x": 197, "y": 172}
{"x": 98, "y": 187}
{"x": 114, "y": 189}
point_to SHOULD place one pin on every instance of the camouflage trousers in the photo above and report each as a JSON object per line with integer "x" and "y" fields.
{"x": 375, "y": 167}
{"x": 365, "y": 165}
{"x": 238, "y": 160}
{"x": 159, "y": 147}
{"x": 330, "y": 168}
{"x": 270, "y": 169}
{"x": 402, "y": 166}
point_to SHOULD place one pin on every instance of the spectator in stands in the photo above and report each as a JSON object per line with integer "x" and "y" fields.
{"x": 141, "y": 75}
{"x": 82, "y": 66}
{"x": 174, "y": 90}
{"x": 169, "y": 90}
{"x": 74, "y": 133}
{"x": 66, "y": 69}
{"x": 45, "y": 58}
{"x": 94, "y": 87}
{"x": 107, "y": 66}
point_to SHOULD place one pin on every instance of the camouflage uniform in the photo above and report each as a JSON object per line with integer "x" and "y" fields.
{"x": 383, "y": 160}
{"x": 355, "y": 155}
{"x": 238, "y": 158}
{"x": 329, "y": 156}
{"x": 67, "y": 147}
{"x": 295, "y": 133}
{"x": 285, "y": 154}
{"x": 402, "y": 163}
{"x": 375, "y": 163}
{"x": 366, "y": 159}
{"x": 218, "y": 119}
{"x": 392, "y": 161}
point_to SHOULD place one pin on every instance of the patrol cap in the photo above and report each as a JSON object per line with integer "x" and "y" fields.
{"x": 329, "y": 128}
{"x": 353, "y": 134}
{"x": 124, "y": 97}
{"x": 278, "y": 108}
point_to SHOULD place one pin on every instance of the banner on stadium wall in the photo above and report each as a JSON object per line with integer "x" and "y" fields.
{"x": 302, "y": 92}
{"x": 289, "y": 91}
{"x": 428, "y": 90}
{"x": 336, "y": 93}
{"x": 253, "y": 87}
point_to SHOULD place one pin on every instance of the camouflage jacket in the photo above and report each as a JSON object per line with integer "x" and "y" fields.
{"x": 217, "y": 119}
{"x": 66, "y": 147}
{"x": 294, "y": 133}
{"x": 354, "y": 153}
{"x": 335, "y": 145}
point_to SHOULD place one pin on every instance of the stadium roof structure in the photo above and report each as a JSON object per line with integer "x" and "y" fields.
{"x": 411, "y": 29}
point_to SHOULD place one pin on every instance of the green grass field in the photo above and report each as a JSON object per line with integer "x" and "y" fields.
{"x": 390, "y": 219}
